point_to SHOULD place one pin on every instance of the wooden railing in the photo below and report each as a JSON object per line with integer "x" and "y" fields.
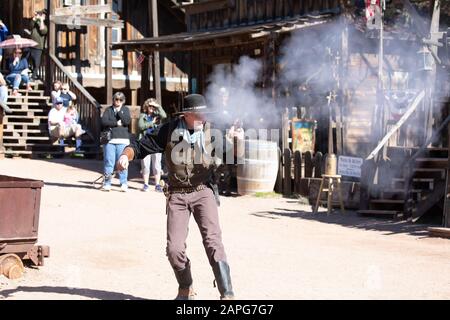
{"x": 88, "y": 108}
{"x": 373, "y": 168}
{"x": 410, "y": 165}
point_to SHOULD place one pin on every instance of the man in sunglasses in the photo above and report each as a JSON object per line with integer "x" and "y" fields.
{"x": 190, "y": 191}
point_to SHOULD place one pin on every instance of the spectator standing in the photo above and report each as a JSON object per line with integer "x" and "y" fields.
{"x": 38, "y": 33}
{"x": 149, "y": 120}
{"x": 3, "y": 34}
{"x": 117, "y": 119}
{"x": 18, "y": 72}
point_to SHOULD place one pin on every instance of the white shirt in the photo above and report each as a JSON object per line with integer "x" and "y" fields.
{"x": 56, "y": 116}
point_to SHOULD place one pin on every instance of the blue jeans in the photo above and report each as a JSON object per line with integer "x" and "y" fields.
{"x": 16, "y": 78}
{"x": 111, "y": 153}
{"x": 3, "y": 94}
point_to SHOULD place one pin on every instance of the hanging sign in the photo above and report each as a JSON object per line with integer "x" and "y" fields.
{"x": 349, "y": 166}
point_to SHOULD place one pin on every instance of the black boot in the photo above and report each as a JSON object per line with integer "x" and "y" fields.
{"x": 184, "y": 278}
{"x": 221, "y": 271}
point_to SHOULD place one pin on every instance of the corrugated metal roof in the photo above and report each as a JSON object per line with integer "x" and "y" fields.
{"x": 199, "y": 40}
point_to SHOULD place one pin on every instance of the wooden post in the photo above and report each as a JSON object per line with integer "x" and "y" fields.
{"x": 156, "y": 62}
{"x": 145, "y": 79}
{"x": 50, "y": 49}
{"x": 318, "y": 165}
{"x": 308, "y": 165}
{"x": 287, "y": 183}
{"x": 446, "y": 213}
{"x": 285, "y": 129}
{"x": 279, "y": 183}
{"x": 108, "y": 62}
{"x": 435, "y": 35}
{"x": 297, "y": 171}
{"x": 342, "y": 150}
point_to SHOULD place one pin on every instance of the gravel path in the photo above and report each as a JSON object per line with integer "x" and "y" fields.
{"x": 112, "y": 246}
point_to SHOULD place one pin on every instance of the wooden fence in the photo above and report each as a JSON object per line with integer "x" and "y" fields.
{"x": 300, "y": 175}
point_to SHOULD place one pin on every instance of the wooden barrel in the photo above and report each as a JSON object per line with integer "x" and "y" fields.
{"x": 258, "y": 172}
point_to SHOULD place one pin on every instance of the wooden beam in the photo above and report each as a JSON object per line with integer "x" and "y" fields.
{"x": 108, "y": 63}
{"x": 145, "y": 80}
{"x": 200, "y": 7}
{"x": 439, "y": 232}
{"x": 83, "y": 10}
{"x": 83, "y": 21}
{"x": 156, "y": 62}
{"x": 49, "y": 67}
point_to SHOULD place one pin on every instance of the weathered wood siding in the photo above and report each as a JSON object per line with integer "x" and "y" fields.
{"x": 220, "y": 14}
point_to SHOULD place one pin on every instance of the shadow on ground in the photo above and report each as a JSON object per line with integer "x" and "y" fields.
{"x": 94, "y": 165}
{"x": 351, "y": 220}
{"x": 89, "y": 293}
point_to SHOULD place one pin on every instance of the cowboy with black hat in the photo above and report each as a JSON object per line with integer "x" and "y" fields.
{"x": 190, "y": 190}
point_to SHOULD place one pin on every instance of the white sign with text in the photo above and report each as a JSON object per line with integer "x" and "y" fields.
{"x": 350, "y": 166}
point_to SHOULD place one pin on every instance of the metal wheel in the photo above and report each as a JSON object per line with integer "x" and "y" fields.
{"x": 11, "y": 266}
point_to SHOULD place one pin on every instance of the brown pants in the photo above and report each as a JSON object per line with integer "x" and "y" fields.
{"x": 202, "y": 205}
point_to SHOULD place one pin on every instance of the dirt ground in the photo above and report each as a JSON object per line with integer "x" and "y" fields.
{"x": 112, "y": 246}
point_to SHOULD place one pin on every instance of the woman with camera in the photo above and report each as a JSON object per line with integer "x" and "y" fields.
{"x": 151, "y": 118}
{"x": 116, "y": 119}
{"x": 38, "y": 33}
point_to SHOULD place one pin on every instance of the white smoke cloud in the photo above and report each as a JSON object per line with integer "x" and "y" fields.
{"x": 235, "y": 93}
{"x": 311, "y": 65}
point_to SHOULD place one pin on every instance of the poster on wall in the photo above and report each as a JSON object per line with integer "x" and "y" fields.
{"x": 303, "y": 135}
{"x": 350, "y": 166}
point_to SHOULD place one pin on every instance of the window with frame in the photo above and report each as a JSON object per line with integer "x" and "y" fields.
{"x": 117, "y": 7}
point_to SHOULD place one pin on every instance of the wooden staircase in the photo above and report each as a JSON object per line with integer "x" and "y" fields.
{"x": 404, "y": 196}
{"x": 25, "y": 131}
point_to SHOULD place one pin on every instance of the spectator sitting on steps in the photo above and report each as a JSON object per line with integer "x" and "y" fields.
{"x": 67, "y": 95}
{"x": 57, "y": 127}
{"x": 56, "y": 92}
{"x": 18, "y": 72}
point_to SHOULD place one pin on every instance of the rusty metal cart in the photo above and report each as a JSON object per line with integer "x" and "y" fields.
{"x": 19, "y": 220}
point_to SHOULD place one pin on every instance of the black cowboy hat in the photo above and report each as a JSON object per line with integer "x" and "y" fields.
{"x": 195, "y": 103}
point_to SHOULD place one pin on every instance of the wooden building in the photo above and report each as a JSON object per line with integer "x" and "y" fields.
{"x": 82, "y": 49}
{"x": 368, "y": 119}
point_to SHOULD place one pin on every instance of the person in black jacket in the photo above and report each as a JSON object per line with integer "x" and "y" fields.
{"x": 117, "y": 119}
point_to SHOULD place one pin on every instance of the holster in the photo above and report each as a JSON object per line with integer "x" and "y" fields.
{"x": 215, "y": 189}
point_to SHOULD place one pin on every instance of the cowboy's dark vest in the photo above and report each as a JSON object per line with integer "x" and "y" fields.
{"x": 187, "y": 173}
